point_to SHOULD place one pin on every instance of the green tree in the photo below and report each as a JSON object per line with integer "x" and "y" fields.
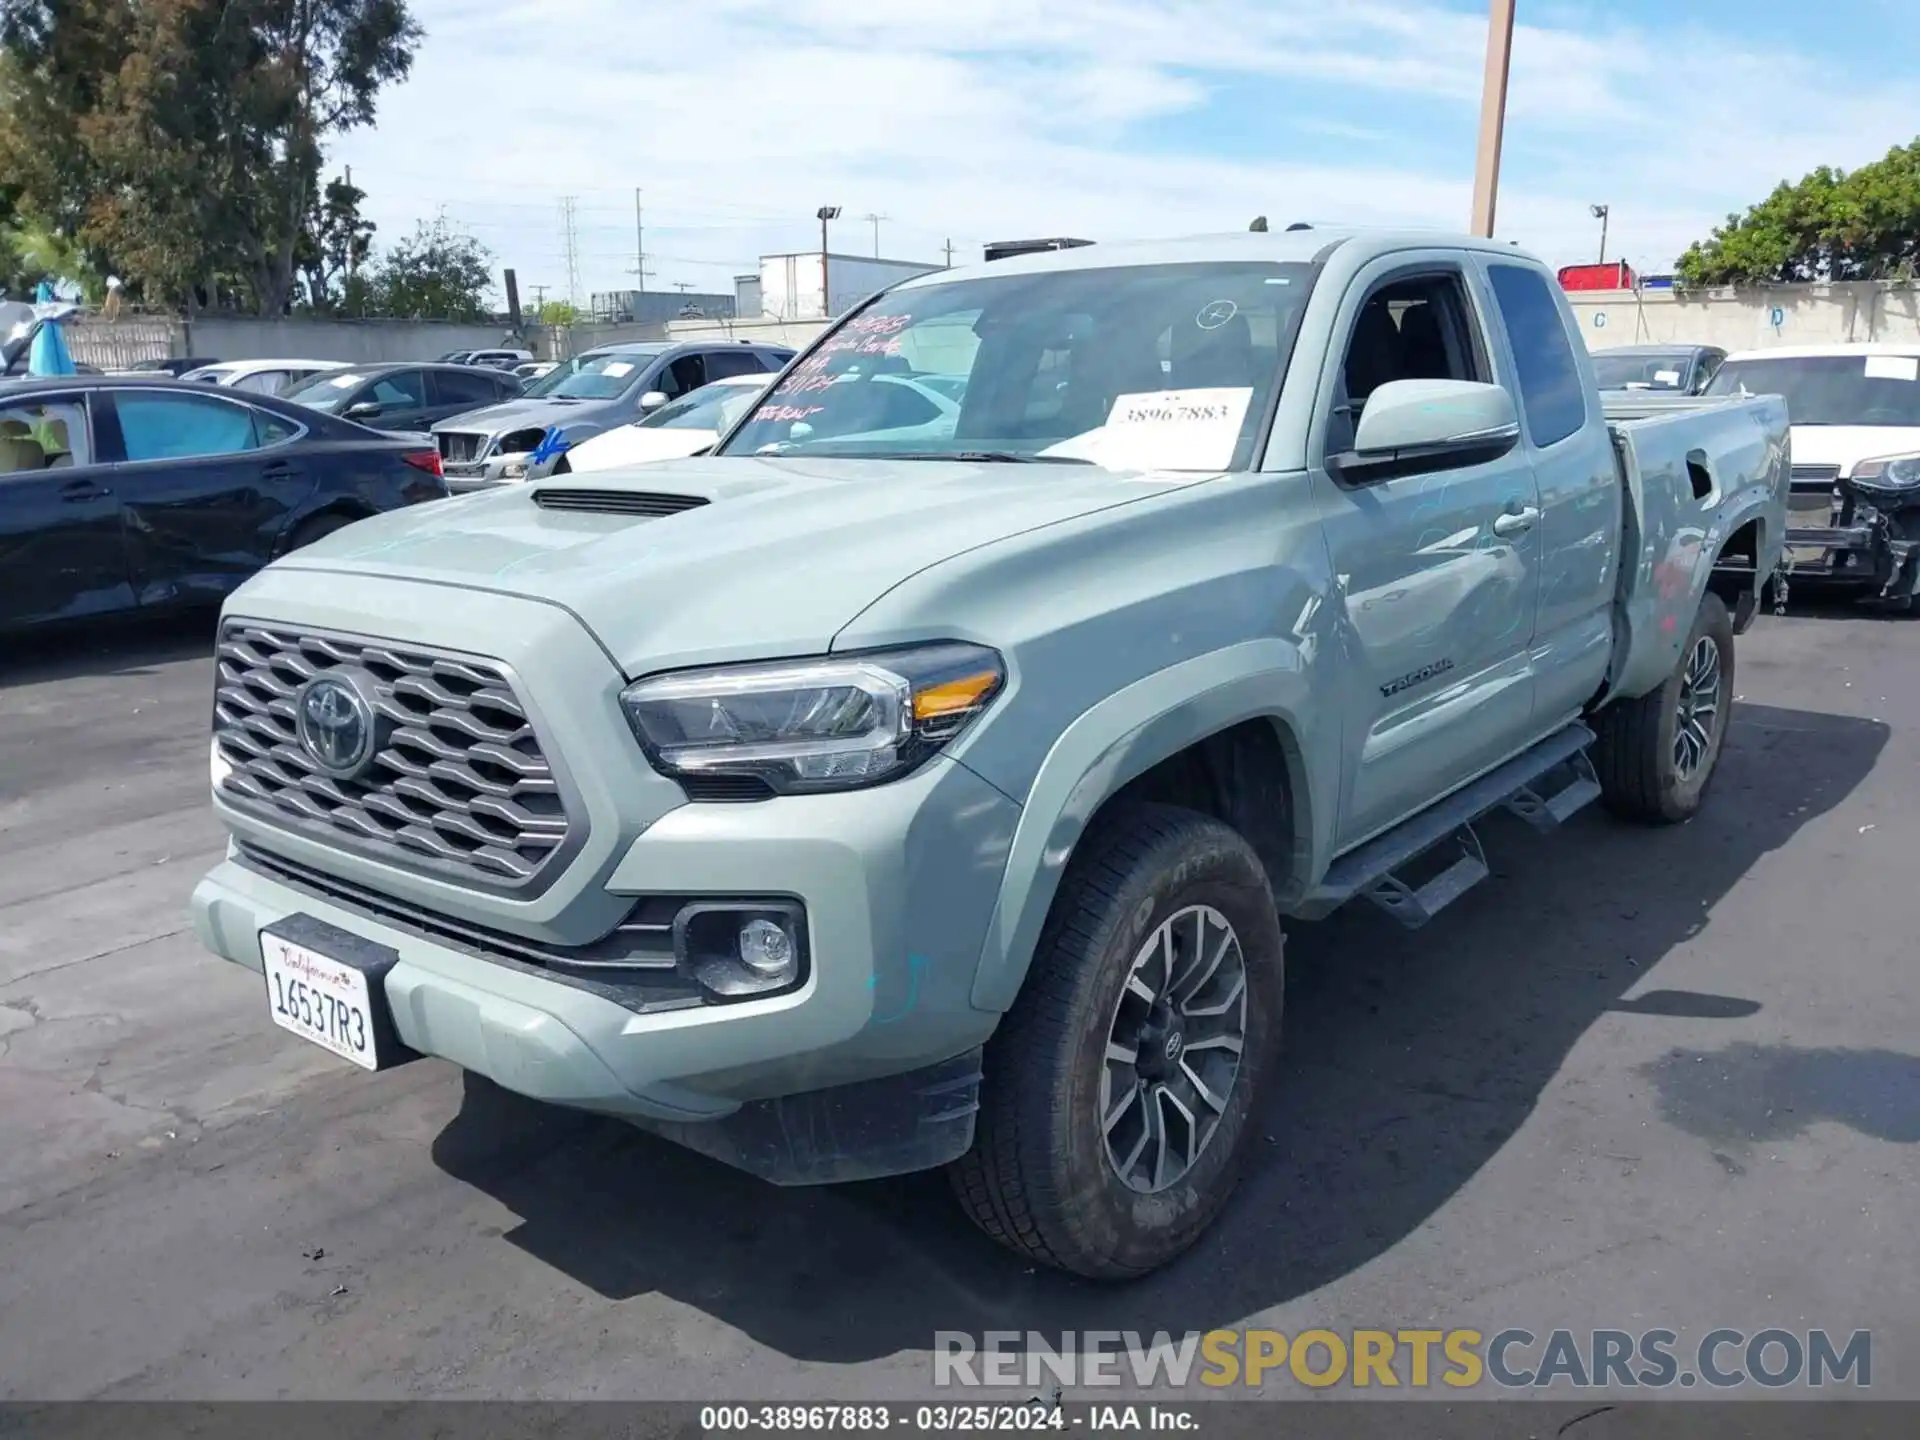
{"x": 1830, "y": 225}
{"x": 185, "y": 138}
{"x": 335, "y": 247}
{"x": 434, "y": 274}
{"x": 558, "y": 312}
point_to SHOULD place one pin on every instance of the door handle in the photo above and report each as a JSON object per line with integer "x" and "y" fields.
{"x": 77, "y": 490}
{"x": 1515, "y": 522}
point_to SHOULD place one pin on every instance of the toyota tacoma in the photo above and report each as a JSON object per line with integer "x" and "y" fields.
{"x": 876, "y": 793}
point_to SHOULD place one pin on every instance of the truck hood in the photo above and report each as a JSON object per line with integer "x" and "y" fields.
{"x": 779, "y": 558}
{"x": 525, "y": 415}
{"x": 1847, "y": 445}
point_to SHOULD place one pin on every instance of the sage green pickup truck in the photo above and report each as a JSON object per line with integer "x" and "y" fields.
{"x": 926, "y": 775}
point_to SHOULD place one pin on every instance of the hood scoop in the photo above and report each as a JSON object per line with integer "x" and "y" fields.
{"x": 616, "y": 502}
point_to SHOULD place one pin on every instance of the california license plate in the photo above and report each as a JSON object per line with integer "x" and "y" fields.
{"x": 325, "y": 999}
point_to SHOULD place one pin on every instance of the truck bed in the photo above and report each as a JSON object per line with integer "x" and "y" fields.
{"x": 1695, "y": 471}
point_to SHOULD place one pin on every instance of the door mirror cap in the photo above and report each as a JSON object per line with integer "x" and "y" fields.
{"x": 365, "y": 410}
{"x": 1410, "y": 426}
{"x": 653, "y": 400}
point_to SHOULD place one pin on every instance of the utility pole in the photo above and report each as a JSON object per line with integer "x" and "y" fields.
{"x": 639, "y": 242}
{"x": 949, "y": 254}
{"x": 1600, "y": 213}
{"x": 823, "y": 215}
{"x": 569, "y": 205}
{"x": 1493, "y": 116}
{"x": 539, "y": 298}
{"x": 874, "y": 220}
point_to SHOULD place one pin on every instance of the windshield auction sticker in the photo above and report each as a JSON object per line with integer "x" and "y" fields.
{"x": 1165, "y": 430}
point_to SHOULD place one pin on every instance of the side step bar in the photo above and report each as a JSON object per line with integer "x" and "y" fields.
{"x": 1525, "y": 785}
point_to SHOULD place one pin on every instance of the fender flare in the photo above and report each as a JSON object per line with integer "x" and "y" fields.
{"x": 1121, "y": 738}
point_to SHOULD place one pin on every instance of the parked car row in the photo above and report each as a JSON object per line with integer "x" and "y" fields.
{"x": 589, "y": 395}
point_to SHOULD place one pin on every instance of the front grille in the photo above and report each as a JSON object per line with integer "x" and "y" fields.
{"x": 460, "y": 787}
{"x": 617, "y": 502}
{"x": 460, "y": 447}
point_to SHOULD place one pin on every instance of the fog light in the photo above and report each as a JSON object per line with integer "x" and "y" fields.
{"x": 737, "y": 949}
{"x": 766, "y": 949}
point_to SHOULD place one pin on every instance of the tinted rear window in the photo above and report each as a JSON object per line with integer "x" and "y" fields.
{"x": 1551, "y": 391}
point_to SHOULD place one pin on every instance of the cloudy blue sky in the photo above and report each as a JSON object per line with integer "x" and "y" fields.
{"x": 973, "y": 120}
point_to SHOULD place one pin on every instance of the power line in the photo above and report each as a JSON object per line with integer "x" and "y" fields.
{"x": 874, "y": 220}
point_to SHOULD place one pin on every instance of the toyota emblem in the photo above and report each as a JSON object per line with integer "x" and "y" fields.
{"x": 335, "y": 724}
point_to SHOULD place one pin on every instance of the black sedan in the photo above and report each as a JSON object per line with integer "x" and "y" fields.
{"x": 404, "y": 397}
{"x": 121, "y": 494}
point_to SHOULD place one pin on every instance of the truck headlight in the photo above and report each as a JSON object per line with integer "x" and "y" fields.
{"x": 805, "y": 726}
{"x": 1889, "y": 475}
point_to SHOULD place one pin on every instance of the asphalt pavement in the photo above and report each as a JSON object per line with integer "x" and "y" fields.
{"x": 1639, "y": 1079}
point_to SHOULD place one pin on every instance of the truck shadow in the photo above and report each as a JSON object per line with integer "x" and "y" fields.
{"x": 102, "y": 648}
{"x": 1410, "y": 1060}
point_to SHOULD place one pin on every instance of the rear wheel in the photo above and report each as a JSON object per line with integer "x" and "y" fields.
{"x": 1120, "y": 1090}
{"x": 1656, "y": 755}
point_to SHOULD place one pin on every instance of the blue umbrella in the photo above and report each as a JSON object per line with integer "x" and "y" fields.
{"x": 49, "y": 354}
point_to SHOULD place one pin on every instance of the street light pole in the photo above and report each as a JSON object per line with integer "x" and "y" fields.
{"x": 1493, "y": 115}
{"x": 823, "y": 215}
{"x": 1600, "y": 213}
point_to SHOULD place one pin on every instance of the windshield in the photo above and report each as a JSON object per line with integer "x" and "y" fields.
{"x": 1137, "y": 367}
{"x": 1831, "y": 389}
{"x": 1652, "y": 372}
{"x": 591, "y": 377}
{"x": 326, "y": 392}
{"x": 711, "y": 407}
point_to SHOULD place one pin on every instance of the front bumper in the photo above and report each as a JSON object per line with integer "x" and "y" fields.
{"x": 1858, "y": 544}
{"x": 897, "y": 891}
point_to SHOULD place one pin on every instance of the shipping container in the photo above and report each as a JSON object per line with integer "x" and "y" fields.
{"x": 1614, "y": 275}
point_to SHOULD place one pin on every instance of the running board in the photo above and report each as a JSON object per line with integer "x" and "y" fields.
{"x": 1517, "y": 785}
{"x": 1579, "y": 788}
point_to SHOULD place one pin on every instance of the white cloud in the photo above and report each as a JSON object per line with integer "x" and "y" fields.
{"x": 980, "y": 119}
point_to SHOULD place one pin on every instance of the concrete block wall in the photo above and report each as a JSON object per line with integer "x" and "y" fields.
{"x": 1750, "y": 319}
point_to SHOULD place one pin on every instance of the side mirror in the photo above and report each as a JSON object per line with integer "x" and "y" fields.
{"x": 652, "y": 400}
{"x": 365, "y": 410}
{"x": 1412, "y": 426}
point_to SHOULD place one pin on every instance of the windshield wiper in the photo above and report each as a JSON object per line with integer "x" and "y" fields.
{"x": 984, "y": 457}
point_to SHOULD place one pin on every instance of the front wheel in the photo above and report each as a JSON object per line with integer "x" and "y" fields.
{"x": 1120, "y": 1090}
{"x": 1656, "y": 755}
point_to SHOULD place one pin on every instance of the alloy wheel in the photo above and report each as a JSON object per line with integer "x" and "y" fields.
{"x": 1173, "y": 1048}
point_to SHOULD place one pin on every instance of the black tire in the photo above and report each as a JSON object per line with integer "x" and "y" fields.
{"x": 1038, "y": 1178}
{"x": 1641, "y": 778}
{"x": 319, "y": 527}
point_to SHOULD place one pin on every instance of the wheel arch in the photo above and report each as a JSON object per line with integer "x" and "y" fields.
{"x": 344, "y": 507}
{"x": 1229, "y": 734}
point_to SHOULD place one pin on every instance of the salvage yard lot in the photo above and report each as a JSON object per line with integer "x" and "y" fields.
{"x": 1639, "y": 1079}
